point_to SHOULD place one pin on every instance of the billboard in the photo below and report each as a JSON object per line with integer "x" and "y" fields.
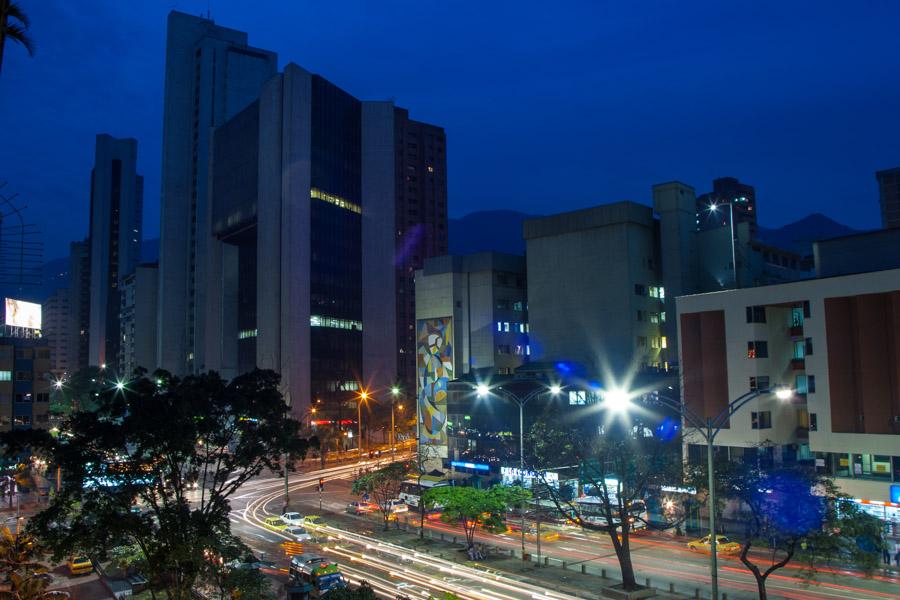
{"x": 23, "y": 314}
{"x": 434, "y": 368}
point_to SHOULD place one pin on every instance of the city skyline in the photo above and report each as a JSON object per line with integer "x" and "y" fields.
{"x": 767, "y": 75}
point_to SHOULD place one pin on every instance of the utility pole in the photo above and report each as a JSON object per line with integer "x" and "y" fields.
{"x": 287, "y": 497}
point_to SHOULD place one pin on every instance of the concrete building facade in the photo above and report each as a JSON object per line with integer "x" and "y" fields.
{"x": 485, "y": 295}
{"x": 79, "y": 304}
{"x": 421, "y": 221}
{"x": 889, "y": 197}
{"x": 211, "y": 75}
{"x": 115, "y": 239}
{"x": 137, "y": 318}
{"x": 835, "y": 342}
{"x": 57, "y": 318}
{"x": 301, "y": 270}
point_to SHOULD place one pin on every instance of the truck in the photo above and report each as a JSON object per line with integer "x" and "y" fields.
{"x": 313, "y": 576}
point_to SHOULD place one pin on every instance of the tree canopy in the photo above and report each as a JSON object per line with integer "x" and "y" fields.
{"x": 475, "y": 507}
{"x": 154, "y": 465}
{"x": 383, "y": 485}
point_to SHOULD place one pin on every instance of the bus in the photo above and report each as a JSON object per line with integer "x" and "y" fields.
{"x": 316, "y": 575}
{"x": 411, "y": 490}
{"x": 591, "y": 509}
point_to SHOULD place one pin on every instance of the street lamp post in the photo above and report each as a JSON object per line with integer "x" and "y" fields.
{"x": 395, "y": 391}
{"x": 363, "y": 396}
{"x": 482, "y": 391}
{"x": 708, "y": 428}
{"x": 713, "y": 207}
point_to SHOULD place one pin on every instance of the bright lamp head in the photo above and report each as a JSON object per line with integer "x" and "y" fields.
{"x": 784, "y": 393}
{"x": 482, "y": 390}
{"x": 555, "y": 390}
{"x": 617, "y": 400}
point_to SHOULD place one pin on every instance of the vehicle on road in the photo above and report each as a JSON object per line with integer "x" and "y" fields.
{"x": 274, "y": 523}
{"x": 411, "y": 590}
{"x": 313, "y": 521}
{"x": 298, "y": 533}
{"x": 398, "y": 506}
{"x": 80, "y": 565}
{"x": 292, "y": 518}
{"x": 723, "y": 545}
{"x": 411, "y": 490}
{"x": 316, "y": 574}
{"x": 360, "y": 508}
{"x": 548, "y": 533}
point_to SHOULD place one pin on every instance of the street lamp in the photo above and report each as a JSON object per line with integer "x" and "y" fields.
{"x": 620, "y": 400}
{"x": 714, "y": 208}
{"x": 395, "y": 391}
{"x": 482, "y": 391}
{"x": 363, "y": 397}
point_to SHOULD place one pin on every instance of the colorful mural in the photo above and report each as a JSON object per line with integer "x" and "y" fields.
{"x": 434, "y": 362}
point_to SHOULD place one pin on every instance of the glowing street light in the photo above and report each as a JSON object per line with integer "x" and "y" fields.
{"x": 784, "y": 393}
{"x": 120, "y": 385}
{"x": 482, "y": 390}
{"x": 555, "y": 390}
{"x": 617, "y": 400}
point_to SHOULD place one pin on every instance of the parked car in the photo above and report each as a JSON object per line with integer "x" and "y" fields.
{"x": 723, "y": 545}
{"x": 292, "y": 518}
{"x": 80, "y": 565}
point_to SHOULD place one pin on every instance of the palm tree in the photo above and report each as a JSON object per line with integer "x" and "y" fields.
{"x": 18, "y": 567}
{"x": 14, "y": 25}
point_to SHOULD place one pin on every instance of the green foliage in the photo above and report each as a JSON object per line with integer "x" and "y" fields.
{"x": 363, "y": 592}
{"x": 148, "y": 444}
{"x": 383, "y": 485}
{"x": 128, "y": 557}
{"x": 474, "y": 507}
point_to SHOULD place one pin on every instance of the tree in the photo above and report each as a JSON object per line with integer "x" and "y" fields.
{"x": 129, "y": 468}
{"x": 620, "y": 468}
{"x": 383, "y": 486}
{"x": 474, "y": 507}
{"x": 794, "y": 513}
{"x": 18, "y": 566}
{"x": 14, "y": 24}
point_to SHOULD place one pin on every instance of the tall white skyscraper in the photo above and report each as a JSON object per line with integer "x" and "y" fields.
{"x": 211, "y": 75}
{"x": 115, "y": 239}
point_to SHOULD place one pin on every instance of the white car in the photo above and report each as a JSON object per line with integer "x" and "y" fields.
{"x": 292, "y": 518}
{"x": 298, "y": 533}
{"x": 398, "y": 506}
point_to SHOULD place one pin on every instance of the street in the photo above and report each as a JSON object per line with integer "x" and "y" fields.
{"x": 390, "y": 568}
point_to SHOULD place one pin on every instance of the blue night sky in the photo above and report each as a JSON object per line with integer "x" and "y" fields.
{"x": 547, "y": 106}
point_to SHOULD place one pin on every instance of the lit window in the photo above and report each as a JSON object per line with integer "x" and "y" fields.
{"x": 5, "y": 375}
{"x": 318, "y": 194}
{"x": 499, "y": 326}
{"x": 527, "y": 350}
{"x": 664, "y": 343}
{"x": 430, "y": 169}
{"x": 334, "y": 323}
{"x": 505, "y": 326}
{"x": 577, "y": 397}
{"x": 248, "y": 333}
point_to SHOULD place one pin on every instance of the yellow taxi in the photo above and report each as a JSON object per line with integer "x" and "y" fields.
{"x": 723, "y": 545}
{"x": 80, "y": 565}
{"x": 313, "y": 521}
{"x": 274, "y": 523}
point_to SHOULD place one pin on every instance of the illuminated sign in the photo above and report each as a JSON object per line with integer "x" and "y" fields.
{"x": 512, "y": 475}
{"x": 468, "y": 465}
{"x": 674, "y": 489}
{"x": 895, "y": 494}
{"x": 23, "y": 314}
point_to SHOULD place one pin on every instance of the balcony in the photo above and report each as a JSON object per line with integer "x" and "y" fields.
{"x": 795, "y": 331}
{"x": 798, "y": 364}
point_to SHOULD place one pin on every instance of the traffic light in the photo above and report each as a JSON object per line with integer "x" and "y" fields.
{"x": 321, "y": 484}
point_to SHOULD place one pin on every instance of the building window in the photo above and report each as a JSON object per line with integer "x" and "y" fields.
{"x": 334, "y": 323}
{"x": 640, "y": 315}
{"x": 796, "y": 317}
{"x": 759, "y": 383}
{"x": 642, "y": 341}
{"x": 654, "y": 317}
{"x": 662, "y": 317}
{"x": 506, "y": 326}
{"x": 756, "y": 314}
{"x": 577, "y": 397}
{"x": 654, "y": 342}
{"x": 757, "y": 349}
{"x": 248, "y": 333}
{"x": 813, "y": 422}
{"x": 23, "y": 376}
{"x": 527, "y": 350}
{"x": 42, "y": 397}
{"x": 657, "y": 292}
{"x": 799, "y": 349}
{"x": 503, "y": 349}
{"x": 519, "y": 306}
{"x": 801, "y": 384}
{"x": 5, "y": 375}
{"x": 640, "y": 289}
{"x": 761, "y": 420}
{"x": 806, "y": 309}
{"x": 499, "y": 326}
{"x": 809, "y": 347}
{"x": 22, "y": 420}
{"x": 23, "y": 398}
{"x": 318, "y": 194}
{"x": 663, "y": 342}
{"x": 811, "y": 384}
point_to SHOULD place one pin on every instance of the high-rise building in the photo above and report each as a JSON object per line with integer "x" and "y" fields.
{"x": 889, "y": 197}
{"x": 212, "y": 74}
{"x": 79, "y": 304}
{"x": 137, "y": 319}
{"x": 835, "y": 344}
{"x": 421, "y": 219}
{"x": 302, "y": 263}
{"x": 115, "y": 239}
{"x": 727, "y": 191}
{"x": 479, "y": 302}
{"x": 56, "y": 331}
{"x": 25, "y": 376}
